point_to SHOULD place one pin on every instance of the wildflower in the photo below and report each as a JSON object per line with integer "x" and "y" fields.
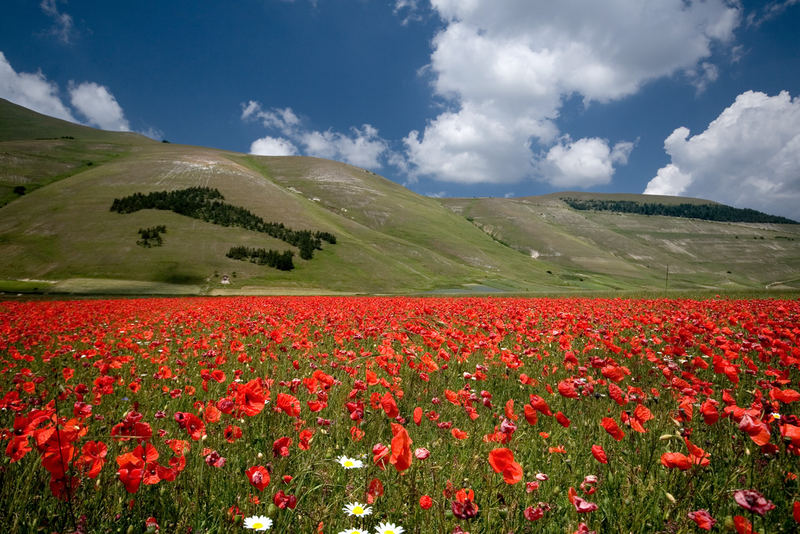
{"x": 388, "y": 528}
{"x": 354, "y": 531}
{"x": 502, "y": 461}
{"x": 753, "y": 501}
{"x": 357, "y": 509}
{"x": 258, "y": 522}
{"x": 258, "y": 476}
{"x": 703, "y": 519}
{"x": 350, "y": 463}
{"x": 425, "y": 502}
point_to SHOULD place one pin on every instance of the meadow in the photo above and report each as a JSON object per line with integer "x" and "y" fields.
{"x": 391, "y": 414}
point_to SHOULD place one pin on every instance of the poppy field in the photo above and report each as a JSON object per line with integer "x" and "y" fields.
{"x": 398, "y": 415}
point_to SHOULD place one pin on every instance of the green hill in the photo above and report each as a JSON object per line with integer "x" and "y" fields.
{"x": 59, "y": 234}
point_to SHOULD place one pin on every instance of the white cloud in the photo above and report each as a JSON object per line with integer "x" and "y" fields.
{"x": 273, "y": 146}
{"x": 582, "y": 163}
{"x": 749, "y": 156}
{"x": 506, "y": 67}
{"x": 62, "y": 22}
{"x": 31, "y": 90}
{"x": 363, "y": 146}
{"x": 282, "y": 119}
{"x": 98, "y": 105}
{"x": 769, "y": 12}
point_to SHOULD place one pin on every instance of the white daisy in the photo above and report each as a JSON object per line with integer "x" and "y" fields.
{"x": 354, "y": 531}
{"x": 388, "y": 528}
{"x": 349, "y": 463}
{"x": 356, "y": 508}
{"x": 258, "y": 522}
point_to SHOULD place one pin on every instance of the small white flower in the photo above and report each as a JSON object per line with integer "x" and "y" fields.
{"x": 354, "y": 531}
{"x": 258, "y": 522}
{"x": 388, "y": 528}
{"x": 358, "y": 509}
{"x": 349, "y": 463}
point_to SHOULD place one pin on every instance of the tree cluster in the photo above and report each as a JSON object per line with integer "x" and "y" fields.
{"x": 272, "y": 258}
{"x": 207, "y": 205}
{"x": 708, "y": 212}
{"x": 151, "y": 237}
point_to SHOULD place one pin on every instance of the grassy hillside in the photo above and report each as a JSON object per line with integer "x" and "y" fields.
{"x": 640, "y": 249}
{"x": 60, "y": 235}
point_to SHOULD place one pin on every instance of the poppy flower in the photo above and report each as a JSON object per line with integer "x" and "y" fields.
{"x": 463, "y": 506}
{"x": 425, "y": 502}
{"x": 599, "y": 454}
{"x": 502, "y": 461}
{"x": 374, "y": 490}
{"x": 612, "y": 428}
{"x": 283, "y": 501}
{"x": 672, "y": 460}
{"x": 753, "y": 501}
{"x": 280, "y": 447}
{"x": 400, "y": 457}
{"x": 532, "y": 514}
{"x": 703, "y": 519}
{"x": 258, "y": 477}
{"x": 389, "y": 405}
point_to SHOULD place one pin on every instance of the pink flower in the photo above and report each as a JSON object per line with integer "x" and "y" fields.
{"x": 421, "y": 453}
{"x": 753, "y": 501}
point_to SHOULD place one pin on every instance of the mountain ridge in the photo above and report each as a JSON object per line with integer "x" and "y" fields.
{"x": 60, "y": 235}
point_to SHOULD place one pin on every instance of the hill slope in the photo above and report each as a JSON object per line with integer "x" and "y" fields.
{"x": 641, "y": 249}
{"x": 60, "y": 235}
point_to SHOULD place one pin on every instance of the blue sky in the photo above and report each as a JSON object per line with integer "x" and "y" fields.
{"x": 448, "y": 97}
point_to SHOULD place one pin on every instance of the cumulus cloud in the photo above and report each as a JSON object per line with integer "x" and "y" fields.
{"x": 273, "y": 146}
{"x": 505, "y": 69}
{"x": 281, "y": 119}
{"x": 749, "y": 156}
{"x": 31, "y": 90}
{"x": 62, "y": 22}
{"x": 363, "y": 146}
{"x": 98, "y": 105}
{"x": 582, "y": 163}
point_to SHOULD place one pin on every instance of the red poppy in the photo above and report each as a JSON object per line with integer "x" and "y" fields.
{"x": 389, "y": 405}
{"x": 401, "y": 448}
{"x": 703, "y": 519}
{"x": 459, "y": 434}
{"x": 599, "y": 454}
{"x": 374, "y": 490}
{"x": 673, "y": 460}
{"x": 612, "y": 428}
{"x": 743, "y": 525}
{"x": 753, "y": 501}
{"x": 502, "y": 461}
{"x": 92, "y": 458}
{"x": 425, "y": 502}
{"x": 258, "y": 477}
{"x": 284, "y": 501}
{"x": 280, "y": 447}
{"x": 562, "y": 420}
{"x": 288, "y": 404}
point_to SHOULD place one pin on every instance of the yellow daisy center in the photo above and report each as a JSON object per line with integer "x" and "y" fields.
{"x": 258, "y": 525}
{"x": 358, "y": 510}
{"x": 348, "y": 463}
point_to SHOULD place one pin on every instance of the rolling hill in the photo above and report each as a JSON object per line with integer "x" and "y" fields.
{"x": 59, "y": 234}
